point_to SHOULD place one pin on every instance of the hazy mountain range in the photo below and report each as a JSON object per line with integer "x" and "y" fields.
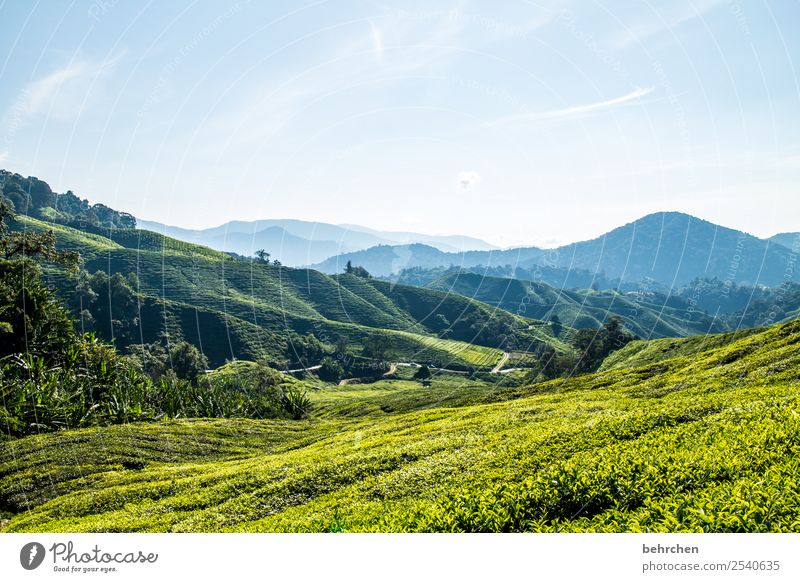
{"x": 298, "y": 242}
{"x": 791, "y": 240}
{"x": 669, "y": 248}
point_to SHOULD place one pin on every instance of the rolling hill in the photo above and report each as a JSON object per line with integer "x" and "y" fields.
{"x": 703, "y": 439}
{"x": 231, "y": 308}
{"x": 668, "y": 248}
{"x": 648, "y": 315}
{"x": 668, "y": 435}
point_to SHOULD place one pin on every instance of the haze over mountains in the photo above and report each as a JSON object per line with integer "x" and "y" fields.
{"x": 668, "y": 248}
{"x": 233, "y": 307}
{"x": 299, "y": 242}
{"x": 791, "y": 240}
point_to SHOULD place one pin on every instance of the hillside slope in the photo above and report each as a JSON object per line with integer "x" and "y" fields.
{"x": 707, "y": 441}
{"x": 242, "y": 309}
{"x": 647, "y": 315}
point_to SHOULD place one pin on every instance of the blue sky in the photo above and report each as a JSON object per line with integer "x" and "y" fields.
{"x": 517, "y": 122}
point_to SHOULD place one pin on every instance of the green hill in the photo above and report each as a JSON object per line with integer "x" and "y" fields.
{"x": 645, "y": 314}
{"x": 705, "y": 441}
{"x": 233, "y": 308}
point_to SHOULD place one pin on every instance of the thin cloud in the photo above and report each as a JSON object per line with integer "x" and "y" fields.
{"x": 66, "y": 92}
{"x": 277, "y": 103}
{"x": 580, "y": 110}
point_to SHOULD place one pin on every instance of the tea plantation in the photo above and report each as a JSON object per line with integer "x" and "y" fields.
{"x": 241, "y": 309}
{"x": 697, "y": 435}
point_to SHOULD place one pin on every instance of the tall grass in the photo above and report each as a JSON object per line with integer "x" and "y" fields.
{"x": 92, "y": 386}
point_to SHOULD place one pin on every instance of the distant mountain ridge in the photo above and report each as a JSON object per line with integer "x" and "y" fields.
{"x": 790, "y": 240}
{"x": 669, "y": 248}
{"x": 299, "y": 242}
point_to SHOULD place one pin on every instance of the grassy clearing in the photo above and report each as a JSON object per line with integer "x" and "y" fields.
{"x": 701, "y": 442}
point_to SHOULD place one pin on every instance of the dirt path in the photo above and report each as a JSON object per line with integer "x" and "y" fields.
{"x": 501, "y": 363}
{"x": 309, "y": 369}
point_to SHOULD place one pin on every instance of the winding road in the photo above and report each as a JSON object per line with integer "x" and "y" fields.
{"x": 498, "y": 369}
{"x": 501, "y": 363}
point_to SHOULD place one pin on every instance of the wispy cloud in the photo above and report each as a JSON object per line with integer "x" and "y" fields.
{"x": 64, "y": 94}
{"x": 385, "y": 50}
{"x": 578, "y": 110}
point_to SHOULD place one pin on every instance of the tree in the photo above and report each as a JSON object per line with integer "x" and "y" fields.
{"x": 52, "y": 377}
{"x": 376, "y": 347}
{"x": 40, "y": 192}
{"x": 614, "y": 335}
{"x": 331, "y": 370}
{"x": 187, "y": 361}
{"x": 19, "y": 200}
{"x": 34, "y": 197}
{"x": 305, "y": 349}
{"x": 361, "y": 272}
{"x": 357, "y": 271}
{"x": 440, "y": 322}
{"x": 32, "y": 320}
{"x": 152, "y": 359}
{"x": 554, "y": 365}
{"x": 29, "y": 244}
{"x": 263, "y": 256}
{"x": 555, "y": 325}
{"x": 423, "y": 373}
{"x": 112, "y": 304}
{"x": 594, "y": 345}
{"x": 341, "y": 346}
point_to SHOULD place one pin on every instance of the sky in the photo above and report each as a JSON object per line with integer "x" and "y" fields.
{"x": 521, "y": 123}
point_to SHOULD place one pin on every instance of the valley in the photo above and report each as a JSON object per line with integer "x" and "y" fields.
{"x": 164, "y": 386}
{"x": 694, "y": 438}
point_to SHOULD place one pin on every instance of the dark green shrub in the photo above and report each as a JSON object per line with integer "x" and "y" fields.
{"x": 296, "y": 403}
{"x": 423, "y": 373}
{"x": 331, "y": 370}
